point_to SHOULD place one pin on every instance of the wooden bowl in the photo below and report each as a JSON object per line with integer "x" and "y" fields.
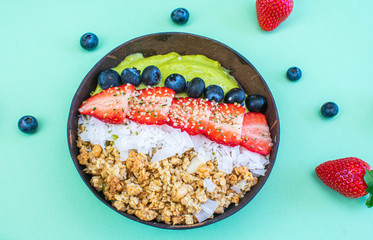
{"x": 184, "y": 44}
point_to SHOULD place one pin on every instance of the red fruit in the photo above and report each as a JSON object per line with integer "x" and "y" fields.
{"x": 190, "y": 114}
{"x": 351, "y": 177}
{"x": 255, "y": 133}
{"x": 225, "y": 124}
{"x": 151, "y": 105}
{"x": 271, "y": 13}
{"x": 110, "y": 105}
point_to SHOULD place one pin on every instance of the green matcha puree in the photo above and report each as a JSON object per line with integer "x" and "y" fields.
{"x": 189, "y": 66}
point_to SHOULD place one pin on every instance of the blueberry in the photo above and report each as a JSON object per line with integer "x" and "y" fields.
{"x": 131, "y": 75}
{"x": 151, "y": 75}
{"x": 180, "y": 16}
{"x": 214, "y": 93}
{"x": 176, "y": 82}
{"x": 195, "y": 87}
{"x": 109, "y": 78}
{"x": 89, "y": 41}
{"x": 235, "y": 95}
{"x": 27, "y": 124}
{"x": 256, "y": 103}
{"x": 294, "y": 74}
{"x": 329, "y": 109}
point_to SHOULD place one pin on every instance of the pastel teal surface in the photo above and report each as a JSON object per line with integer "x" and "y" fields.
{"x": 42, "y": 64}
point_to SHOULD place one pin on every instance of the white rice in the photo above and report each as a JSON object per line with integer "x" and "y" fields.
{"x": 145, "y": 138}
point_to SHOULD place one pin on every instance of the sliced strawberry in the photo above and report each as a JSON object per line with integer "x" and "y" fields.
{"x": 110, "y": 105}
{"x": 190, "y": 114}
{"x": 151, "y": 105}
{"x": 255, "y": 133}
{"x": 225, "y": 124}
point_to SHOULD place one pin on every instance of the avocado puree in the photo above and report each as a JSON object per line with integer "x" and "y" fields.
{"x": 189, "y": 66}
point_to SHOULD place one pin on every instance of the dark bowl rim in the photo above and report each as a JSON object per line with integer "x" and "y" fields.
{"x": 261, "y": 180}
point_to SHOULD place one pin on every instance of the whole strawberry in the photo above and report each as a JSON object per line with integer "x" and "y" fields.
{"x": 272, "y": 13}
{"x": 351, "y": 177}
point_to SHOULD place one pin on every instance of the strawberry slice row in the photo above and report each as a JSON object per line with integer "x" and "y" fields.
{"x": 224, "y": 123}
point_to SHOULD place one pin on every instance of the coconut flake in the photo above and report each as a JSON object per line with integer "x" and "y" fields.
{"x": 164, "y": 153}
{"x": 194, "y": 164}
{"x": 236, "y": 188}
{"x": 207, "y": 209}
{"x": 209, "y": 185}
{"x": 258, "y": 172}
{"x": 241, "y": 184}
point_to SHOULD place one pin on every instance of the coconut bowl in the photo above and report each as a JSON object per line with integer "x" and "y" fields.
{"x": 185, "y": 44}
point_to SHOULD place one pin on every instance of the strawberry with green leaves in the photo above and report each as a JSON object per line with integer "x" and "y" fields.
{"x": 351, "y": 177}
{"x": 110, "y": 105}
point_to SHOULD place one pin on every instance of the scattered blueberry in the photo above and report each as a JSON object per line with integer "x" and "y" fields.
{"x": 27, "y": 124}
{"x": 195, "y": 87}
{"x": 109, "y": 78}
{"x": 180, "y": 16}
{"x": 235, "y": 95}
{"x": 131, "y": 75}
{"x": 89, "y": 41}
{"x": 294, "y": 74}
{"x": 256, "y": 103}
{"x": 329, "y": 109}
{"x": 214, "y": 93}
{"x": 151, "y": 75}
{"x": 176, "y": 82}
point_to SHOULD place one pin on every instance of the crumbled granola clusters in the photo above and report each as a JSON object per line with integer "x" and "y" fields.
{"x": 163, "y": 191}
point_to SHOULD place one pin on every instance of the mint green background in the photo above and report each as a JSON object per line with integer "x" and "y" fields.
{"x": 42, "y": 64}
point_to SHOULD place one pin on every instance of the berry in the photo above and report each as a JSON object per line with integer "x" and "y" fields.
{"x": 225, "y": 124}
{"x": 271, "y": 13}
{"x": 256, "y": 103}
{"x": 176, "y": 82}
{"x": 180, "y": 16}
{"x": 109, "y": 78}
{"x": 329, "y": 109}
{"x": 89, "y": 41}
{"x": 131, "y": 75}
{"x": 151, "y": 105}
{"x": 195, "y": 87}
{"x": 351, "y": 177}
{"x": 190, "y": 114}
{"x": 235, "y": 95}
{"x": 28, "y": 124}
{"x": 294, "y": 74}
{"x": 110, "y": 105}
{"x": 255, "y": 133}
{"x": 151, "y": 75}
{"x": 214, "y": 93}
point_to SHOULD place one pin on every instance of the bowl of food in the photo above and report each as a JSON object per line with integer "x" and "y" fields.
{"x": 173, "y": 130}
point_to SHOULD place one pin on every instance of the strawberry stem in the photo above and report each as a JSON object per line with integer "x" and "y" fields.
{"x": 368, "y": 178}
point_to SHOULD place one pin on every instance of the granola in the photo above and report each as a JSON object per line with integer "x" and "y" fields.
{"x": 163, "y": 191}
